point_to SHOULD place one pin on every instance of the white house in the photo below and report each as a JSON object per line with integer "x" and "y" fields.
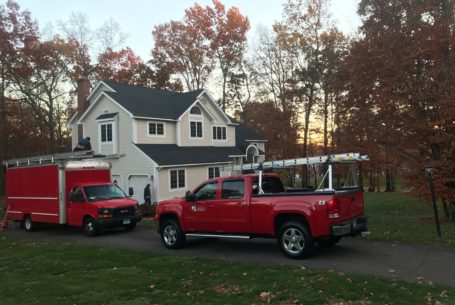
{"x": 171, "y": 140}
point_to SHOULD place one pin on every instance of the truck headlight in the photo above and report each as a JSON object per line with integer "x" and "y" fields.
{"x": 104, "y": 213}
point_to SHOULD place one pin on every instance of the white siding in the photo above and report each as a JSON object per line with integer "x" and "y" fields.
{"x": 194, "y": 176}
{"x": 144, "y": 138}
{"x": 132, "y": 162}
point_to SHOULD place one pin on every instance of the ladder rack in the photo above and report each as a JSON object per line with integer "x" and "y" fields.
{"x": 328, "y": 159}
{"x": 47, "y": 159}
{"x": 337, "y": 158}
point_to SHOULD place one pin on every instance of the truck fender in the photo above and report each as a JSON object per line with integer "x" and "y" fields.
{"x": 281, "y": 218}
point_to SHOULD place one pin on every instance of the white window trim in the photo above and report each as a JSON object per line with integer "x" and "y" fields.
{"x": 196, "y": 114}
{"x": 156, "y": 135}
{"x": 169, "y": 180}
{"x": 220, "y": 140}
{"x": 208, "y": 171}
{"x": 100, "y": 124}
{"x": 113, "y": 122}
{"x": 202, "y": 131}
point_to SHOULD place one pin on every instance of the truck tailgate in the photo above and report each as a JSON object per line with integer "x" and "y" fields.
{"x": 350, "y": 203}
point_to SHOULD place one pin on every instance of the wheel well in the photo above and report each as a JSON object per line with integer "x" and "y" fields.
{"x": 165, "y": 217}
{"x": 85, "y": 218}
{"x": 283, "y": 218}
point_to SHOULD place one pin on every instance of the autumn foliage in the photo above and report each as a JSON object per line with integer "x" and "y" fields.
{"x": 308, "y": 88}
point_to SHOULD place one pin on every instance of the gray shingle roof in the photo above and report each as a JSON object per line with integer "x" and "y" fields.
{"x": 169, "y": 154}
{"x": 107, "y": 116}
{"x": 154, "y": 103}
{"x": 244, "y": 133}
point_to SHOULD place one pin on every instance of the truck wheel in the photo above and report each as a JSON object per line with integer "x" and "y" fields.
{"x": 295, "y": 240}
{"x": 329, "y": 241}
{"x": 90, "y": 227}
{"x": 130, "y": 227}
{"x": 171, "y": 235}
{"x": 29, "y": 225}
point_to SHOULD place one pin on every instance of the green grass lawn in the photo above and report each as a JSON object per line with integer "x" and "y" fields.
{"x": 397, "y": 217}
{"x": 48, "y": 273}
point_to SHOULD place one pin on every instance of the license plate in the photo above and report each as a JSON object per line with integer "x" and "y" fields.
{"x": 126, "y": 221}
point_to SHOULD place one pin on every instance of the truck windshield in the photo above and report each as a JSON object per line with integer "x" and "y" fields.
{"x": 103, "y": 192}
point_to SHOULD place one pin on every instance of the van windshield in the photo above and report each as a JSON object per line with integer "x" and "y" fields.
{"x": 103, "y": 192}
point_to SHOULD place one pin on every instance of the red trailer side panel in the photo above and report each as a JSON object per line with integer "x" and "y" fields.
{"x": 33, "y": 191}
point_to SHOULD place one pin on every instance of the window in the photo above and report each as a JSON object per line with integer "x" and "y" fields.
{"x": 195, "y": 110}
{"x": 106, "y": 133}
{"x": 219, "y": 133}
{"x": 206, "y": 192}
{"x": 156, "y": 129}
{"x": 214, "y": 172}
{"x": 196, "y": 129}
{"x": 233, "y": 189}
{"x": 177, "y": 179}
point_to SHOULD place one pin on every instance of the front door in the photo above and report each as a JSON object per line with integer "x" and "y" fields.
{"x": 200, "y": 215}
{"x": 233, "y": 216}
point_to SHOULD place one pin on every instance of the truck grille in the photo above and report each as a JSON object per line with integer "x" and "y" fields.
{"x": 122, "y": 212}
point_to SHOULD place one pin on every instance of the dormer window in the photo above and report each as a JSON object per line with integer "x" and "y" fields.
{"x": 196, "y": 111}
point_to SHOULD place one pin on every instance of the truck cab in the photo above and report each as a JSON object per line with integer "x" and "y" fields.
{"x": 99, "y": 206}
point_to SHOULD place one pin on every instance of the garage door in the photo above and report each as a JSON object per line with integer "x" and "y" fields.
{"x": 138, "y": 183}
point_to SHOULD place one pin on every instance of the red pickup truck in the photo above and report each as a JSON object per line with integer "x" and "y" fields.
{"x": 234, "y": 207}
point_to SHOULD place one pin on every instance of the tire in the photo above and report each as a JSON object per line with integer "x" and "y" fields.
{"x": 90, "y": 227}
{"x": 329, "y": 241}
{"x": 30, "y": 225}
{"x": 294, "y": 240}
{"x": 130, "y": 226}
{"x": 172, "y": 236}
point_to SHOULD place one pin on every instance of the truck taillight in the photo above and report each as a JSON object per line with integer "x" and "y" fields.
{"x": 333, "y": 208}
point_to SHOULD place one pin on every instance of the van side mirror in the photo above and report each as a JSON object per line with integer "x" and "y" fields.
{"x": 130, "y": 191}
{"x": 71, "y": 196}
{"x": 189, "y": 197}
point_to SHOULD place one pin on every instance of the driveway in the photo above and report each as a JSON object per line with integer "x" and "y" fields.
{"x": 360, "y": 256}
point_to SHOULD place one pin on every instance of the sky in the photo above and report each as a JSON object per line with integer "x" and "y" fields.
{"x": 138, "y": 17}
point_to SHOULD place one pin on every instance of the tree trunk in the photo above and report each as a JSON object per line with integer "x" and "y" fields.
{"x": 389, "y": 181}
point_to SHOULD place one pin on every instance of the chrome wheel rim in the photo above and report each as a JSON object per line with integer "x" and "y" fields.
{"x": 28, "y": 223}
{"x": 293, "y": 241}
{"x": 90, "y": 226}
{"x": 170, "y": 235}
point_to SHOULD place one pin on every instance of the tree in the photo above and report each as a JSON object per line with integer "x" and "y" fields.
{"x": 125, "y": 67}
{"x": 300, "y": 33}
{"x": 89, "y": 44}
{"x": 401, "y": 66}
{"x": 228, "y": 41}
{"x": 17, "y": 30}
{"x": 43, "y": 87}
{"x": 182, "y": 48}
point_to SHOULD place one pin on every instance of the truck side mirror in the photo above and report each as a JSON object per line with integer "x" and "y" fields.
{"x": 130, "y": 191}
{"x": 189, "y": 197}
{"x": 71, "y": 196}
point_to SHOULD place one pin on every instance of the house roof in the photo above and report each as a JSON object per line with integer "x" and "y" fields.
{"x": 170, "y": 154}
{"x": 149, "y": 102}
{"x": 244, "y": 134}
{"x": 107, "y": 116}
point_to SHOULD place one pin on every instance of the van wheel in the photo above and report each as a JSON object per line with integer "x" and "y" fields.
{"x": 29, "y": 225}
{"x": 90, "y": 227}
{"x": 171, "y": 235}
{"x": 294, "y": 240}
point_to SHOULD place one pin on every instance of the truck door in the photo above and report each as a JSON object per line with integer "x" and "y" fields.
{"x": 76, "y": 208}
{"x": 200, "y": 214}
{"x": 233, "y": 209}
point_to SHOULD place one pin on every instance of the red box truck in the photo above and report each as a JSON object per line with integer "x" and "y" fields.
{"x": 70, "y": 189}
